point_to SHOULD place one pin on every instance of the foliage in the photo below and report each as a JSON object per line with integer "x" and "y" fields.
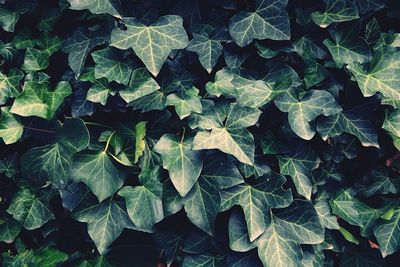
{"x": 199, "y": 133}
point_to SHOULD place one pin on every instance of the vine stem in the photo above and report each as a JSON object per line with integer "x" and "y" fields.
{"x": 39, "y": 130}
{"x": 183, "y": 134}
{"x": 92, "y": 123}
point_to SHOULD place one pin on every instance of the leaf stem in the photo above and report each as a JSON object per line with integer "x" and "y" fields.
{"x": 92, "y": 123}
{"x": 108, "y": 142}
{"x": 183, "y": 134}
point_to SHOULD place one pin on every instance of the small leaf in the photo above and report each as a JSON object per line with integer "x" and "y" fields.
{"x": 11, "y": 128}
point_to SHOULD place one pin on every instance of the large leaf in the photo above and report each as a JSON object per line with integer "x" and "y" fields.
{"x": 183, "y": 164}
{"x": 230, "y": 137}
{"x": 280, "y": 243}
{"x": 141, "y": 85}
{"x": 382, "y": 76}
{"x": 268, "y": 20}
{"x": 98, "y": 171}
{"x": 151, "y": 43}
{"x": 109, "y": 66}
{"x": 335, "y": 11}
{"x": 79, "y": 45}
{"x": 11, "y": 128}
{"x": 303, "y": 112}
{"x": 256, "y": 200}
{"x": 37, "y": 100}
{"x": 298, "y": 165}
{"x": 105, "y": 220}
{"x": 387, "y": 233}
{"x": 10, "y": 84}
{"x": 202, "y": 204}
{"x": 111, "y": 7}
{"x": 354, "y": 121}
{"x": 143, "y": 202}
{"x": 30, "y": 210}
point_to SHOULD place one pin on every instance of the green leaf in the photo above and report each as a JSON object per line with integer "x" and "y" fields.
{"x": 8, "y": 19}
{"x": 387, "y": 232}
{"x": 290, "y": 227}
{"x": 365, "y": 6}
{"x": 324, "y": 212}
{"x": 140, "y": 143}
{"x": 11, "y": 128}
{"x": 392, "y": 124}
{"x": 109, "y": 66}
{"x": 347, "y": 48}
{"x": 202, "y": 204}
{"x": 256, "y": 200}
{"x": 111, "y": 7}
{"x": 49, "y": 257}
{"x": 354, "y": 121}
{"x": 79, "y": 45}
{"x": 151, "y": 43}
{"x": 303, "y": 112}
{"x": 9, "y": 230}
{"x": 183, "y": 164}
{"x": 221, "y": 172}
{"x": 363, "y": 258}
{"x": 269, "y": 20}
{"x": 30, "y": 210}
{"x": 37, "y": 100}
{"x": 141, "y": 85}
{"x": 143, "y": 203}
{"x": 105, "y": 220}
{"x": 230, "y": 137}
{"x": 354, "y": 211}
{"x": 52, "y": 162}
{"x": 239, "y": 239}
{"x": 98, "y": 172}
{"x": 335, "y": 11}
{"x": 10, "y": 85}
{"x": 298, "y": 165}
{"x": 186, "y": 102}
{"x": 207, "y": 48}
{"x": 383, "y": 75}
{"x": 202, "y": 261}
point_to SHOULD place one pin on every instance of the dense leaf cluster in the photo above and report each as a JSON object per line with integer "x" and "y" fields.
{"x": 199, "y": 132}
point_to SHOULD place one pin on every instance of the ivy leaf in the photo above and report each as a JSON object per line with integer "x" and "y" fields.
{"x": 365, "y": 6}
{"x": 79, "y": 45}
{"x": 8, "y": 19}
{"x": 98, "y": 172}
{"x": 183, "y": 164}
{"x": 140, "y": 85}
{"x": 239, "y": 239}
{"x": 368, "y": 258}
{"x": 280, "y": 243}
{"x": 109, "y": 66}
{"x": 30, "y": 210}
{"x": 9, "y": 230}
{"x": 298, "y": 165}
{"x": 255, "y": 200}
{"x": 335, "y": 11}
{"x": 207, "y": 48}
{"x": 324, "y": 212}
{"x": 347, "y": 48}
{"x": 387, "y": 233}
{"x": 10, "y": 85}
{"x": 37, "y": 100}
{"x": 105, "y": 220}
{"x": 140, "y": 143}
{"x": 151, "y": 43}
{"x": 230, "y": 137}
{"x": 354, "y": 211}
{"x": 269, "y": 20}
{"x": 302, "y": 112}
{"x": 144, "y": 204}
{"x": 202, "y": 261}
{"x": 186, "y": 102}
{"x": 52, "y": 162}
{"x": 353, "y": 121}
{"x": 202, "y": 204}
{"x": 221, "y": 172}
{"x": 11, "y": 128}
{"x": 111, "y": 7}
{"x": 382, "y": 75}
